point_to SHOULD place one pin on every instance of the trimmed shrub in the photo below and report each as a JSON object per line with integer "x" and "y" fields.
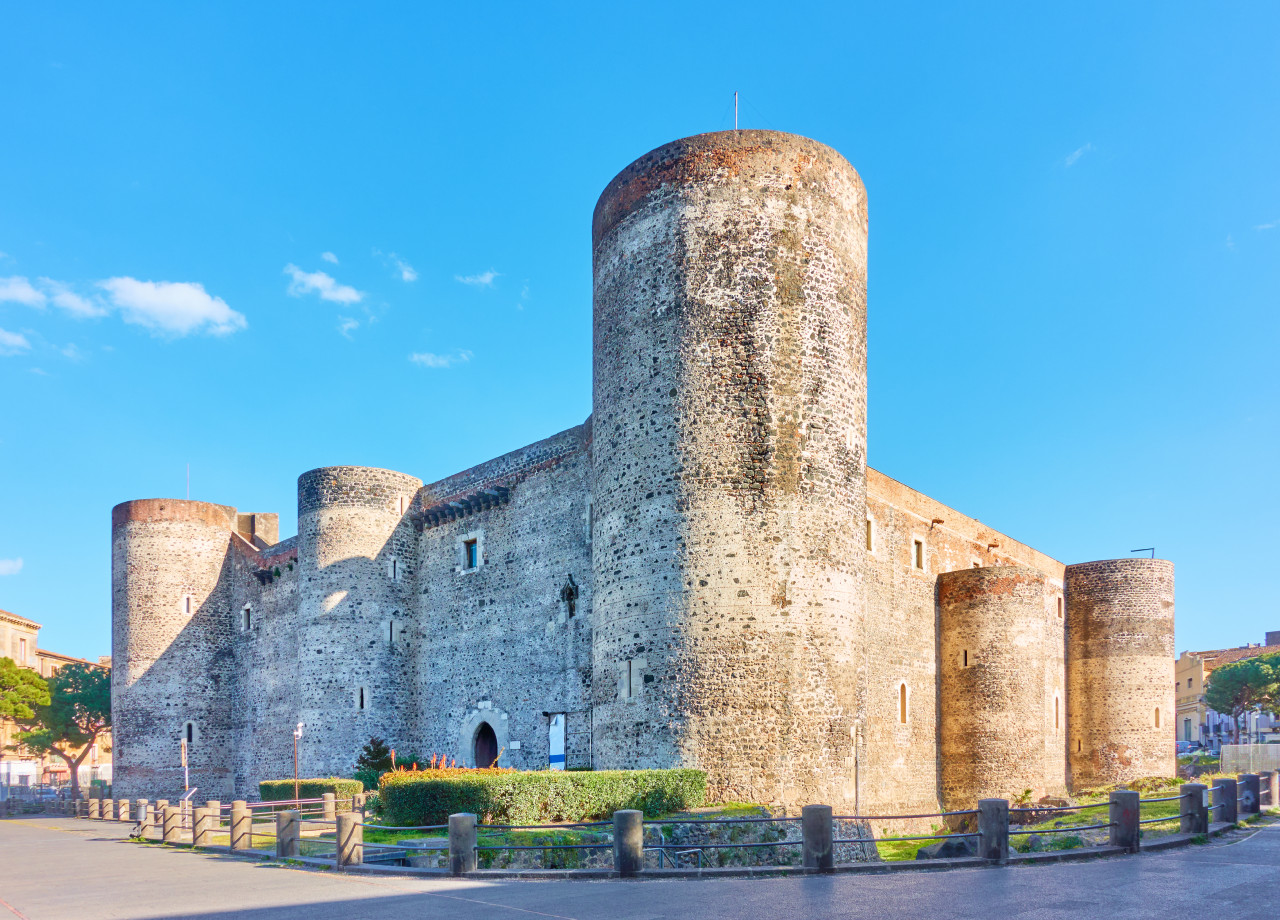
{"x": 536, "y": 797}
{"x": 281, "y": 790}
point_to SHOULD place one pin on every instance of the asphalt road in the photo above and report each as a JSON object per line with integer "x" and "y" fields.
{"x": 63, "y": 869}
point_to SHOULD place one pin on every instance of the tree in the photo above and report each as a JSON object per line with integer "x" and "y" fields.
{"x": 375, "y": 757}
{"x": 78, "y": 711}
{"x": 1243, "y": 686}
{"x": 20, "y": 689}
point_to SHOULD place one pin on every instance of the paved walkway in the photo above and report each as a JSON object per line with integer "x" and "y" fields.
{"x": 63, "y": 869}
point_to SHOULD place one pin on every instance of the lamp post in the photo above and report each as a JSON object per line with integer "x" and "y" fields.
{"x": 297, "y": 736}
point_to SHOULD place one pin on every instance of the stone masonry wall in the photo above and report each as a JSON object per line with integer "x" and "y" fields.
{"x": 498, "y": 643}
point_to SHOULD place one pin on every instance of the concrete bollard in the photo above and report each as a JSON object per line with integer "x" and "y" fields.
{"x": 330, "y": 807}
{"x": 171, "y": 824}
{"x": 202, "y": 825}
{"x": 350, "y": 839}
{"x": 1224, "y": 793}
{"x": 288, "y": 833}
{"x": 1250, "y": 788}
{"x": 108, "y": 810}
{"x": 1193, "y": 809}
{"x": 1125, "y": 812}
{"x": 993, "y": 830}
{"x": 95, "y": 808}
{"x": 122, "y": 810}
{"x": 462, "y": 844}
{"x": 146, "y": 817}
{"x": 815, "y": 828}
{"x": 241, "y": 827}
{"x": 628, "y": 842}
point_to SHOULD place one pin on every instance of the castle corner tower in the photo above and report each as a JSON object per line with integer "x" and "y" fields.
{"x": 730, "y": 464}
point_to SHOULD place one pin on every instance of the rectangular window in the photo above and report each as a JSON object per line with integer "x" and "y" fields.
{"x": 1059, "y": 608}
{"x": 246, "y": 622}
{"x": 393, "y": 568}
{"x": 22, "y": 651}
{"x": 917, "y": 554}
{"x": 871, "y": 546}
{"x": 470, "y": 554}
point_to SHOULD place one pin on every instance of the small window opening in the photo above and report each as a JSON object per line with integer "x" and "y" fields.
{"x": 186, "y": 604}
{"x": 591, "y": 522}
{"x": 1055, "y": 714}
{"x": 189, "y": 732}
{"x": 246, "y": 621}
{"x": 917, "y": 554}
{"x": 470, "y": 554}
{"x": 22, "y": 651}
{"x": 395, "y": 569}
{"x": 400, "y": 504}
{"x": 1079, "y": 746}
{"x": 1157, "y": 717}
{"x": 391, "y": 632}
{"x": 902, "y": 703}
{"x": 360, "y": 698}
{"x": 966, "y": 659}
{"x": 1059, "y": 608}
{"x": 870, "y": 536}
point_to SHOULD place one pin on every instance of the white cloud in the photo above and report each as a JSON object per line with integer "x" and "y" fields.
{"x": 427, "y": 359}
{"x": 39, "y": 372}
{"x": 1077, "y": 154}
{"x": 172, "y": 307}
{"x": 72, "y": 352}
{"x": 320, "y": 283}
{"x": 329, "y": 257}
{"x": 346, "y": 325}
{"x": 406, "y": 271}
{"x": 19, "y": 290}
{"x": 1269, "y": 225}
{"x": 1230, "y": 243}
{"x": 484, "y": 279}
{"x": 13, "y": 343}
{"x": 62, "y": 296}
{"x": 10, "y": 566}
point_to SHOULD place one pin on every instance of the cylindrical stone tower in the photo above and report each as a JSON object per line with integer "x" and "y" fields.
{"x": 1120, "y": 691}
{"x": 999, "y": 715}
{"x": 170, "y": 632}
{"x": 729, "y": 464}
{"x": 356, "y": 561}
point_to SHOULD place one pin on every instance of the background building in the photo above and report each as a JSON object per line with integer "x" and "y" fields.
{"x": 1196, "y": 722}
{"x": 18, "y": 767}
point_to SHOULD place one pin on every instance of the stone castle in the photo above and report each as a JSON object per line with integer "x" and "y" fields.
{"x": 705, "y": 573}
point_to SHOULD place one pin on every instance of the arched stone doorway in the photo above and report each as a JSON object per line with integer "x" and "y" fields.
{"x": 485, "y": 746}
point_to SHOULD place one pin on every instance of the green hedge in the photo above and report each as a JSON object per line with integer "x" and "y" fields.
{"x": 536, "y": 797}
{"x": 279, "y": 790}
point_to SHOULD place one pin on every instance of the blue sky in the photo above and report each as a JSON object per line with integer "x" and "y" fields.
{"x": 262, "y": 238}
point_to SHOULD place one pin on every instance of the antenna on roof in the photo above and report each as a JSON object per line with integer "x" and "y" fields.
{"x": 1145, "y": 549}
{"x": 735, "y": 110}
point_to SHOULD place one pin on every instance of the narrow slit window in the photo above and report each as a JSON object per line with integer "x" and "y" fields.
{"x": 1055, "y": 714}
{"x": 22, "y": 650}
{"x": 395, "y": 569}
{"x": 189, "y": 732}
{"x": 917, "y": 554}
{"x": 902, "y": 703}
{"x": 1157, "y": 717}
{"x": 186, "y": 604}
{"x": 1079, "y": 746}
{"x": 1059, "y": 608}
{"x": 870, "y": 536}
{"x": 470, "y": 554}
{"x": 965, "y": 662}
{"x": 246, "y": 621}
{"x": 361, "y": 701}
